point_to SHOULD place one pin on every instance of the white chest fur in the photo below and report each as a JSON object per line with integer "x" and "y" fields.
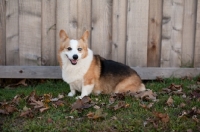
{"x": 75, "y": 73}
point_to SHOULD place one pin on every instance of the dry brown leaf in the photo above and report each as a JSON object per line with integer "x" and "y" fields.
{"x": 146, "y": 95}
{"x": 96, "y": 107}
{"x": 147, "y": 106}
{"x": 83, "y": 103}
{"x": 22, "y": 82}
{"x": 49, "y": 120}
{"x": 2, "y": 111}
{"x": 16, "y": 99}
{"x": 170, "y": 101}
{"x": 44, "y": 109}
{"x": 160, "y": 79}
{"x": 175, "y": 87}
{"x": 96, "y": 115}
{"x": 32, "y": 97}
{"x": 60, "y": 96}
{"x": 120, "y": 104}
{"x": 59, "y": 103}
{"x": 10, "y": 108}
{"x": 182, "y": 105}
{"x": 47, "y": 98}
{"x": 162, "y": 116}
{"x": 27, "y": 113}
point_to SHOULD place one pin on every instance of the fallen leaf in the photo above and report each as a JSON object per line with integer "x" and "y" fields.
{"x": 162, "y": 116}
{"x": 189, "y": 130}
{"x": 16, "y": 99}
{"x": 10, "y": 108}
{"x": 32, "y": 97}
{"x": 2, "y": 111}
{"x": 44, "y": 109}
{"x": 47, "y": 98}
{"x": 27, "y": 113}
{"x": 83, "y": 103}
{"x": 22, "y": 82}
{"x": 70, "y": 117}
{"x": 195, "y": 119}
{"x": 59, "y": 103}
{"x": 170, "y": 101}
{"x": 97, "y": 114}
{"x": 49, "y": 120}
{"x": 160, "y": 79}
{"x": 175, "y": 87}
{"x": 114, "y": 118}
{"x": 60, "y": 96}
{"x": 96, "y": 107}
{"x": 120, "y": 104}
{"x": 147, "y": 106}
{"x": 182, "y": 105}
{"x": 145, "y": 95}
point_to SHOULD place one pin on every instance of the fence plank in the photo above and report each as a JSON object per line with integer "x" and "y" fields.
{"x": 54, "y": 72}
{"x": 84, "y": 17}
{"x": 2, "y": 32}
{"x": 101, "y": 25}
{"x": 197, "y": 39}
{"x": 137, "y": 32}
{"x": 119, "y": 21}
{"x": 48, "y": 32}
{"x": 188, "y": 33}
{"x": 30, "y": 32}
{"x": 154, "y": 36}
{"x": 66, "y": 19}
{"x": 12, "y": 32}
{"x": 172, "y": 33}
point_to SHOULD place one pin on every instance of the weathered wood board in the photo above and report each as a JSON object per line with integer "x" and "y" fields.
{"x": 2, "y": 32}
{"x": 137, "y": 33}
{"x": 154, "y": 34}
{"x": 54, "y": 72}
{"x": 84, "y": 17}
{"x": 172, "y": 28}
{"x": 48, "y": 33}
{"x": 101, "y": 27}
{"x": 197, "y": 40}
{"x": 30, "y": 32}
{"x": 119, "y": 20}
{"x": 187, "y": 51}
{"x": 12, "y": 32}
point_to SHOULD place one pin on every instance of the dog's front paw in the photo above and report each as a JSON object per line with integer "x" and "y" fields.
{"x": 71, "y": 94}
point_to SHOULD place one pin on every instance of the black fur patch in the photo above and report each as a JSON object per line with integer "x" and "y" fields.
{"x": 113, "y": 68}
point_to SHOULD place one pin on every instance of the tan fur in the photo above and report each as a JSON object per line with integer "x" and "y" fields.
{"x": 107, "y": 83}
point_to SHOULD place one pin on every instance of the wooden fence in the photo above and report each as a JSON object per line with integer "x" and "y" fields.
{"x": 139, "y": 33}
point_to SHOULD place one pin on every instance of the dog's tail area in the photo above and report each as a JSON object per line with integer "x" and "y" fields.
{"x": 142, "y": 87}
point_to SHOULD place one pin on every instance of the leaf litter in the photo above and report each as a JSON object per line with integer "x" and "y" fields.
{"x": 35, "y": 103}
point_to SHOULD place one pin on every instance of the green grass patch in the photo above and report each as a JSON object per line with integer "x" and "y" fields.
{"x": 132, "y": 118}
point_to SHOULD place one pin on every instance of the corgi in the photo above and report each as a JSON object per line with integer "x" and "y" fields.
{"x": 88, "y": 73}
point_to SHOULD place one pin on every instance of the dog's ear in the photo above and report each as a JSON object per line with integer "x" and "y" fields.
{"x": 85, "y": 35}
{"x": 63, "y": 35}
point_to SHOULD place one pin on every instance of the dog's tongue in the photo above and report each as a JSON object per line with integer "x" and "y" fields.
{"x": 74, "y": 61}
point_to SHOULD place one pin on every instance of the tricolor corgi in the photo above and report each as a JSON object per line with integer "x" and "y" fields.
{"x": 88, "y": 73}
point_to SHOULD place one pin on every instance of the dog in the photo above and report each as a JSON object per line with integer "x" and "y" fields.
{"x": 88, "y": 73}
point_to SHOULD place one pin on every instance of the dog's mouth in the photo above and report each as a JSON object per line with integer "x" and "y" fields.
{"x": 74, "y": 62}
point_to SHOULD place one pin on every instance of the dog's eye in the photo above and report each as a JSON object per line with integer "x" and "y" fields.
{"x": 69, "y": 48}
{"x": 79, "y": 49}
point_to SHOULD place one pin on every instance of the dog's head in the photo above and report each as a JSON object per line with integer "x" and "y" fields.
{"x": 73, "y": 50}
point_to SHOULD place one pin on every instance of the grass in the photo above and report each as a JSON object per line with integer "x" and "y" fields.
{"x": 132, "y": 118}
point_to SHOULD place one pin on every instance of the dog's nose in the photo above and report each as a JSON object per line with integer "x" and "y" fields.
{"x": 75, "y": 57}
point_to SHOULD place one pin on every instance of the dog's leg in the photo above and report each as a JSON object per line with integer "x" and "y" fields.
{"x": 72, "y": 92}
{"x": 86, "y": 90}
